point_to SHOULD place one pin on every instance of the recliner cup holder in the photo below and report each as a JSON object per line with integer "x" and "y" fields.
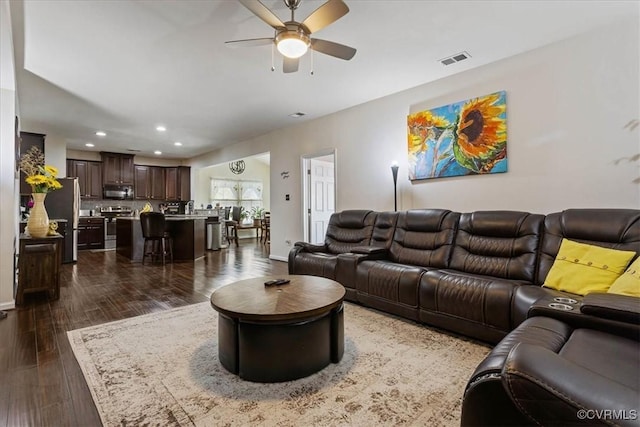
{"x": 559, "y": 306}
{"x": 565, "y": 300}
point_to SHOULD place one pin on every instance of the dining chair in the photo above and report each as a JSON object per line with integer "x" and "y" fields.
{"x": 265, "y": 228}
{"x": 230, "y": 225}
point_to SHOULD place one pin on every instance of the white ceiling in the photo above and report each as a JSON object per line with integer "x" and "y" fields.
{"x": 126, "y": 66}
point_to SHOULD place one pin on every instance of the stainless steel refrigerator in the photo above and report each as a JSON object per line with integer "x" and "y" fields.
{"x": 65, "y": 204}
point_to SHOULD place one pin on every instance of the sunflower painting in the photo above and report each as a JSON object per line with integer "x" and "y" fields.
{"x": 465, "y": 138}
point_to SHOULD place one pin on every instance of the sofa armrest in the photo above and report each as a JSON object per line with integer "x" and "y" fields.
{"x": 348, "y": 263}
{"x": 297, "y": 248}
{"x": 308, "y": 247}
{"x": 554, "y": 391}
{"x": 622, "y": 308}
{"x": 370, "y": 250}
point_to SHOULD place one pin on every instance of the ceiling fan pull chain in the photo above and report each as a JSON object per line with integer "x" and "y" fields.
{"x": 312, "y": 62}
{"x": 273, "y": 67}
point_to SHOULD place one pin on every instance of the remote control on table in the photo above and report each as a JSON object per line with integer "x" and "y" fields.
{"x": 276, "y": 282}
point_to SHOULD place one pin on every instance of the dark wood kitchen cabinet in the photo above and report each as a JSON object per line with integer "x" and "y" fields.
{"x": 117, "y": 169}
{"x": 142, "y": 182}
{"x": 39, "y": 266}
{"x": 91, "y": 233}
{"x": 89, "y": 174}
{"x": 28, "y": 140}
{"x": 149, "y": 182}
{"x": 178, "y": 183}
{"x": 157, "y": 180}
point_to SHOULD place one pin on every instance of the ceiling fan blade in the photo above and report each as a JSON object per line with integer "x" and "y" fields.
{"x": 326, "y": 14}
{"x": 333, "y": 49}
{"x": 290, "y": 65}
{"x": 250, "y": 42}
{"x": 262, "y": 12}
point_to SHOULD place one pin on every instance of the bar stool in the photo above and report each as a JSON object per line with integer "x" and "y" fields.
{"x": 153, "y": 230}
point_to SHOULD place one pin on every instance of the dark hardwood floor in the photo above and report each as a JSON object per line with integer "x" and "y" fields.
{"x": 40, "y": 381}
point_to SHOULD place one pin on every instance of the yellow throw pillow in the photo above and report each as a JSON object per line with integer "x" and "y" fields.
{"x": 629, "y": 282}
{"x": 581, "y": 269}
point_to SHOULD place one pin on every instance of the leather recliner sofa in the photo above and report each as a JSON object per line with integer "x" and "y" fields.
{"x": 548, "y": 372}
{"x": 481, "y": 274}
{"x": 477, "y": 274}
{"x": 345, "y": 231}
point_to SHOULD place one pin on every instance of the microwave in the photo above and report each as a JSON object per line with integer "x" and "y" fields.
{"x": 117, "y": 192}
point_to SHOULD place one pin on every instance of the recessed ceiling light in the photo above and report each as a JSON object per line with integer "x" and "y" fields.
{"x": 177, "y": 144}
{"x": 88, "y": 144}
{"x": 296, "y": 115}
{"x": 157, "y": 152}
{"x": 161, "y": 128}
{"x": 101, "y": 133}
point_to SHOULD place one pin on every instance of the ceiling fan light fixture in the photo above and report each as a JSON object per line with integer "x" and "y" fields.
{"x": 292, "y": 44}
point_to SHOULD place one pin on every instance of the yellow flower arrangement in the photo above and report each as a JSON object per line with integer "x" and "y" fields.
{"x": 41, "y": 177}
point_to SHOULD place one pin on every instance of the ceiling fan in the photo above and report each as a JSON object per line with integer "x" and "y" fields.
{"x": 293, "y": 38}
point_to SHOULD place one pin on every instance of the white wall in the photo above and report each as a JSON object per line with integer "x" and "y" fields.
{"x": 567, "y": 107}
{"x": 8, "y": 182}
{"x": 55, "y": 153}
{"x": 255, "y": 171}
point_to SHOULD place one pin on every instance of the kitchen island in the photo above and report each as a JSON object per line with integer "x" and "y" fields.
{"x": 187, "y": 232}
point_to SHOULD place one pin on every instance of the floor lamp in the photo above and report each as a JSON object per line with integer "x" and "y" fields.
{"x": 394, "y": 172}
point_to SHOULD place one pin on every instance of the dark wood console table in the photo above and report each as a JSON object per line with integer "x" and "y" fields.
{"x": 39, "y": 265}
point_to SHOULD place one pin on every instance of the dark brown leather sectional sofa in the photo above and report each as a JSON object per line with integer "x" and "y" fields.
{"x": 480, "y": 274}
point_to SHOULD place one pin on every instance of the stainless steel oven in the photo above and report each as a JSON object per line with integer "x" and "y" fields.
{"x": 111, "y": 213}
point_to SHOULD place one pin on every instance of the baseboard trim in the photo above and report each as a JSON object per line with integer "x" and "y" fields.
{"x": 279, "y": 258}
{"x": 10, "y": 305}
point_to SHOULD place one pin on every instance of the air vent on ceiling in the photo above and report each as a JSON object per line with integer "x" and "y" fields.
{"x": 133, "y": 150}
{"x": 296, "y": 115}
{"x": 455, "y": 58}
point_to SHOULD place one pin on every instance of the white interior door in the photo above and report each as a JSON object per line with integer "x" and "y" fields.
{"x": 320, "y": 196}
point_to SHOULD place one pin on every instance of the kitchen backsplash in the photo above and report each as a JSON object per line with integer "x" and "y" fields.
{"x": 97, "y": 205}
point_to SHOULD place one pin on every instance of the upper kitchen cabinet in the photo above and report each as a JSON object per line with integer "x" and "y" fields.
{"x": 28, "y": 140}
{"x": 150, "y": 182}
{"x": 89, "y": 176}
{"x": 157, "y": 175}
{"x": 178, "y": 180}
{"x": 142, "y": 182}
{"x": 117, "y": 169}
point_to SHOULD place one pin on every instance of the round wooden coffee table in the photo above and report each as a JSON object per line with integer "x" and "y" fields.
{"x": 279, "y": 333}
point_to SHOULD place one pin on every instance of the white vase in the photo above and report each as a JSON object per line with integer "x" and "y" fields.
{"x": 38, "y": 222}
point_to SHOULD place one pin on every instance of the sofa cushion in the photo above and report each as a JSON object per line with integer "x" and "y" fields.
{"x": 389, "y": 286}
{"x": 467, "y": 303}
{"x": 349, "y": 228}
{"x": 609, "y": 228}
{"x": 629, "y": 282}
{"x": 424, "y": 237}
{"x": 498, "y": 243}
{"x": 580, "y": 268}
{"x": 610, "y": 348}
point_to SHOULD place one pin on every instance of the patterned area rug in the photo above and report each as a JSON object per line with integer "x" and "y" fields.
{"x": 163, "y": 369}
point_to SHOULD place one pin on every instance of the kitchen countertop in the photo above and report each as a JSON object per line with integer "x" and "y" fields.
{"x": 24, "y": 221}
{"x": 167, "y": 217}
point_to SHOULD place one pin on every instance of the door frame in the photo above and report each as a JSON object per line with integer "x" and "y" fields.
{"x": 305, "y": 161}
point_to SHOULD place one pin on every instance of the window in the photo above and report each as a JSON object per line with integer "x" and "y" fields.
{"x": 229, "y": 192}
